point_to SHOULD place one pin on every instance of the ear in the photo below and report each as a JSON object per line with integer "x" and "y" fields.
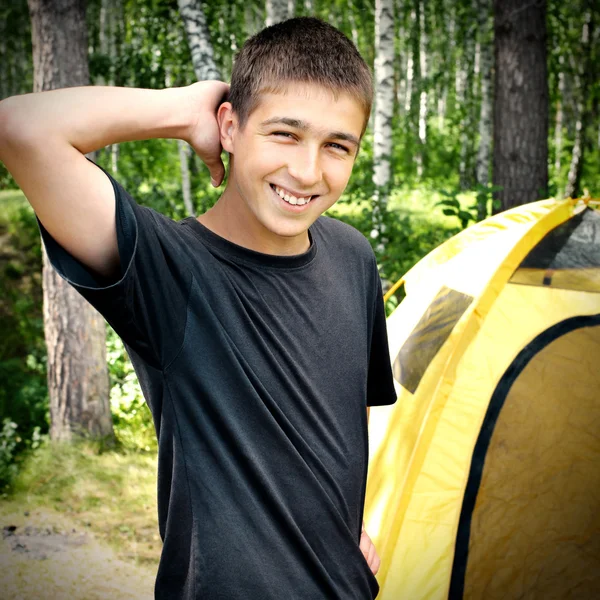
{"x": 227, "y": 121}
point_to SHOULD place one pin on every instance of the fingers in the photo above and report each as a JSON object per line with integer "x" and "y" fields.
{"x": 216, "y": 170}
{"x": 369, "y": 552}
{"x": 217, "y": 176}
{"x": 375, "y": 564}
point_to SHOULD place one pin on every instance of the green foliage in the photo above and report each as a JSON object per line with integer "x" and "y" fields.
{"x": 151, "y": 51}
{"x": 483, "y": 206}
{"x": 23, "y": 393}
{"x": 412, "y": 228}
{"x": 8, "y": 445}
{"x": 132, "y": 419}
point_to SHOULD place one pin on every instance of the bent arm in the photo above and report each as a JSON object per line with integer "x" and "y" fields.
{"x": 90, "y": 118}
{"x": 43, "y": 139}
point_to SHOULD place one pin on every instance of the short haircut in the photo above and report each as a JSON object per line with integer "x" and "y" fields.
{"x": 302, "y": 50}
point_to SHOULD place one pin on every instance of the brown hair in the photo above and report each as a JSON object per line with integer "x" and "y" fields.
{"x": 303, "y": 49}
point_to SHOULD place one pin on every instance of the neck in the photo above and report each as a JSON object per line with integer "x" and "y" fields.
{"x": 232, "y": 219}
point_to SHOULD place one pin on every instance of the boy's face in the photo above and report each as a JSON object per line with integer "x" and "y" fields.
{"x": 301, "y": 144}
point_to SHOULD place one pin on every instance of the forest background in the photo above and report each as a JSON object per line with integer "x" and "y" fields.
{"x": 480, "y": 106}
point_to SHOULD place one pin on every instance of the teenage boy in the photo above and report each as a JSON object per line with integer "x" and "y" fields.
{"x": 257, "y": 331}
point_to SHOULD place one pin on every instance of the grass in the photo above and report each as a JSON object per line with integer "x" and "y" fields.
{"x": 10, "y": 202}
{"x": 111, "y": 494}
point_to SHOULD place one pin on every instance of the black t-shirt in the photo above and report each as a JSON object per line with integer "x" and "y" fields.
{"x": 258, "y": 370}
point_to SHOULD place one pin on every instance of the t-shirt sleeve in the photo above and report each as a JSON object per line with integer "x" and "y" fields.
{"x": 380, "y": 384}
{"x": 147, "y": 304}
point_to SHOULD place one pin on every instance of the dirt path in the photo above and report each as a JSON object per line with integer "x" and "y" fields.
{"x": 44, "y": 555}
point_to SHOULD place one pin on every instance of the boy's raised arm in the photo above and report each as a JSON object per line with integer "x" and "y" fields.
{"x": 44, "y": 136}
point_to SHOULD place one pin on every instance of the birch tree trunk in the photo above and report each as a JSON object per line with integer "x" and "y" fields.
{"x": 291, "y": 8}
{"x": 558, "y": 124}
{"x": 466, "y": 76}
{"x": 423, "y": 97}
{"x": 198, "y": 38}
{"x": 520, "y": 156}
{"x": 205, "y": 68}
{"x": 186, "y": 188}
{"x": 111, "y": 27}
{"x": 277, "y": 11}
{"x": 415, "y": 74}
{"x": 401, "y": 62}
{"x": 78, "y": 382}
{"x": 384, "y": 107}
{"x": 585, "y": 78}
{"x": 485, "y": 115}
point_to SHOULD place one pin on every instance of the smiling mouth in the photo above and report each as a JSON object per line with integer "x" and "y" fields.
{"x": 290, "y": 198}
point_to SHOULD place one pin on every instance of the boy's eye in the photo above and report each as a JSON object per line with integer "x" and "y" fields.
{"x": 291, "y": 136}
{"x": 283, "y": 134}
{"x": 339, "y": 147}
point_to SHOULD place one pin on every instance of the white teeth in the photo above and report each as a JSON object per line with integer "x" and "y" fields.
{"x": 289, "y": 198}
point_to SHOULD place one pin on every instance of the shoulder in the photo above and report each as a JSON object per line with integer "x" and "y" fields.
{"x": 344, "y": 236}
{"x": 346, "y": 252}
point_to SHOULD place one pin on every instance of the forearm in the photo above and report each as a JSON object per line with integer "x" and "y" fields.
{"x": 90, "y": 118}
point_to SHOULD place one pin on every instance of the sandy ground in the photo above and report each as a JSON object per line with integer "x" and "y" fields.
{"x": 45, "y": 556}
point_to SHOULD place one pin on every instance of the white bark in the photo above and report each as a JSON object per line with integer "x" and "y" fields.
{"x": 198, "y": 38}
{"x": 277, "y": 11}
{"x": 111, "y": 28}
{"x": 103, "y": 34}
{"x": 184, "y": 155}
{"x": 582, "y": 78}
{"x": 384, "y": 106}
{"x": 464, "y": 93}
{"x": 205, "y": 68}
{"x": 484, "y": 152}
{"x": 423, "y": 99}
{"x": 401, "y": 68}
{"x": 558, "y": 124}
{"x": 410, "y": 75}
{"x": 353, "y": 26}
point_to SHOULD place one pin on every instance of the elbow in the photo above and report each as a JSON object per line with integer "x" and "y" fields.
{"x": 15, "y": 127}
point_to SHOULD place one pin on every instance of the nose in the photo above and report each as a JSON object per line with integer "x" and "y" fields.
{"x": 305, "y": 166}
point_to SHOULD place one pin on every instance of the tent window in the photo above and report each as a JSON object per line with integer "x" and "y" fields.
{"x": 568, "y": 257}
{"x": 429, "y": 336}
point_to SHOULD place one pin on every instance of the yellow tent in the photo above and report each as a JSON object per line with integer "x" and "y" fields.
{"x": 484, "y": 477}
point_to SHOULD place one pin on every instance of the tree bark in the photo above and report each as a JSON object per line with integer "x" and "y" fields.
{"x": 424, "y": 85}
{"x": 484, "y": 150}
{"x": 198, "y": 38}
{"x": 520, "y": 156}
{"x": 558, "y": 123}
{"x": 585, "y": 78}
{"x": 110, "y": 31}
{"x": 186, "y": 188}
{"x": 465, "y": 94}
{"x": 78, "y": 381}
{"x": 205, "y": 68}
{"x": 384, "y": 108}
{"x": 277, "y": 11}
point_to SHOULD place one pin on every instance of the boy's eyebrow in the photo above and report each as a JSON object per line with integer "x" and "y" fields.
{"x": 304, "y": 126}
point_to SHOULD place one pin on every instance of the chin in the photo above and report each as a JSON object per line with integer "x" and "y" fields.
{"x": 288, "y": 230}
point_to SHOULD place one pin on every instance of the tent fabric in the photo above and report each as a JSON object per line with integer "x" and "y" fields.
{"x": 537, "y": 497}
{"x": 421, "y": 448}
